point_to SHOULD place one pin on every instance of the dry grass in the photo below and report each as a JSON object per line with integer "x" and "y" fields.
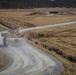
{"x": 22, "y": 19}
{"x": 46, "y": 20}
{"x": 54, "y": 9}
{"x": 13, "y": 14}
{"x": 9, "y": 19}
{"x": 39, "y": 9}
{"x": 2, "y": 28}
{"x": 60, "y": 42}
{"x": 3, "y": 60}
{"x": 14, "y": 23}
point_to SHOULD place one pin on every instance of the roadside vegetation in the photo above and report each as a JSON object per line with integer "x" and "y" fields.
{"x": 58, "y": 41}
{"x": 3, "y": 60}
{"x": 3, "y": 57}
{"x": 2, "y": 27}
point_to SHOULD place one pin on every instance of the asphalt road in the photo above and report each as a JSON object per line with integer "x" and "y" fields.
{"x": 28, "y": 60}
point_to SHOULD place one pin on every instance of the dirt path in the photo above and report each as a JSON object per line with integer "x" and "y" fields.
{"x": 29, "y": 60}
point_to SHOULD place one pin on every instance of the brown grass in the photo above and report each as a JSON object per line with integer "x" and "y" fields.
{"x": 22, "y": 19}
{"x": 3, "y": 60}
{"x": 9, "y": 20}
{"x": 60, "y": 42}
{"x": 14, "y": 23}
{"x": 2, "y": 28}
{"x": 39, "y": 9}
{"x": 45, "y": 20}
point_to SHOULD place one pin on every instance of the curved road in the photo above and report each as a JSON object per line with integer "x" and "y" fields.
{"x": 28, "y": 60}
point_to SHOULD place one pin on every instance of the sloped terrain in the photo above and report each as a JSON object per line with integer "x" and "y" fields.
{"x": 60, "y": 41}
{"x": 2, "y": 27}
{"x": 3, "y": 60}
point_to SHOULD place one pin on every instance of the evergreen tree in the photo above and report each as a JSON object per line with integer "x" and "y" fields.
{"x": 36, "y": 3}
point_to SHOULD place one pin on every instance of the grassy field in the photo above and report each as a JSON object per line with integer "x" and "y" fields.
{"x": 73, "y": 10}
{"x": 45, "y": 20}
{"x": 15, "y": 19}
{"x": 60, "y": 42}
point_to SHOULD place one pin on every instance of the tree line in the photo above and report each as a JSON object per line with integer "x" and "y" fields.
{"x": 7, "y": 4}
